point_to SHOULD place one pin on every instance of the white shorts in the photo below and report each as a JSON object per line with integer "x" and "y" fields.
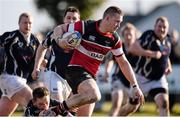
{"x": 146, "y": 85}
{"x": 118, "y": 85}
{"x": 11, "y": 84}
{"x": 55, "y": 83}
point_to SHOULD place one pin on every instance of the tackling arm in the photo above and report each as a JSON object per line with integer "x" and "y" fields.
{"x": 137, "y": 50}
{"x": 41, "y": 51}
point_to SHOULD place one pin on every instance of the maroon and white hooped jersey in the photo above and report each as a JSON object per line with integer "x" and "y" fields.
{"x": 94, "y": 45}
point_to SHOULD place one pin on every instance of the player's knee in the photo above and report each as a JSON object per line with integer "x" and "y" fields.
{"x": 95, "y": 96}
{"x": 162, "y": 101}
{"x": 164, "y": 104}
{"x": 98, "y": 97}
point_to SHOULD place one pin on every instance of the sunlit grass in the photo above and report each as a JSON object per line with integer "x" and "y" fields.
{"x": 148, "y": 109}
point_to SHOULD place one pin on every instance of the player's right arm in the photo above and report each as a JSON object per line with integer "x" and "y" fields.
{"x": 41, "y": 51}
{"x": 137, "y": 50}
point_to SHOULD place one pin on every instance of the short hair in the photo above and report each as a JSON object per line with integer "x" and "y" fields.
{"x": 71, "y": 9}
{"x": 162, "y": 19}
{"x": 24, "y": 15}
{"x": 40, "y": 92}
{"x": 112, "y": 11}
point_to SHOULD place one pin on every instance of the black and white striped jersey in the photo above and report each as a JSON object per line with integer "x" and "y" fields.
{"x": 19, "y": 53}
{"x": 153, "y": 68}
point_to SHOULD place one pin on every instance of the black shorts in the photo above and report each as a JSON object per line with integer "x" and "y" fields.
{"x": 75, "y": 75}
{"x": 155, "y": 91}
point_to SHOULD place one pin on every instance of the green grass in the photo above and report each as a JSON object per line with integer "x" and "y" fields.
{"x": 148, "y": 109}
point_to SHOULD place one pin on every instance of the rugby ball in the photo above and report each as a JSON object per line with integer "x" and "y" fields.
{"x": 73, "y": 38}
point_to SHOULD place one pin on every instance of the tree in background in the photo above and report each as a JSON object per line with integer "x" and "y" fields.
{"x": 56, "y": 8}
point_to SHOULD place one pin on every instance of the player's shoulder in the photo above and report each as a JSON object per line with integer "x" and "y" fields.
{"x": 89, "y": 22}
{"x": 9, "y": 33}
{"x": 148, "y": 32}
{"x": 8, "y": 36}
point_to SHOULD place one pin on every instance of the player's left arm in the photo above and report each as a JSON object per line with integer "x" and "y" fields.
{"x": 130, "y": 76}
{"x": 126, "y": 69}
{"x": 57, "y": 36}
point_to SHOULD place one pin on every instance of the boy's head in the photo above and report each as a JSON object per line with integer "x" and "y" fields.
{"x": 41, "y": 98}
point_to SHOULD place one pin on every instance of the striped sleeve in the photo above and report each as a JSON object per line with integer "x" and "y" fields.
{"x": 117, "y": 50}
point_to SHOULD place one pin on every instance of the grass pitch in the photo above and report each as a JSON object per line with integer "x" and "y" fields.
{"x": 148, "y": 109}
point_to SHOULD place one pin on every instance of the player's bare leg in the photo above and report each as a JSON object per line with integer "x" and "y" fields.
{"x": 86, "y": 110}
{"x": 162, "y": 103}
{"x": 7, "y": 106}
{"x": 88, "y": 92}
{"x": 117, "y": 98}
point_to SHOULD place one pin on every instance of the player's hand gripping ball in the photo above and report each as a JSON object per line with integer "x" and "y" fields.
{"x": 73, "y": 38}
